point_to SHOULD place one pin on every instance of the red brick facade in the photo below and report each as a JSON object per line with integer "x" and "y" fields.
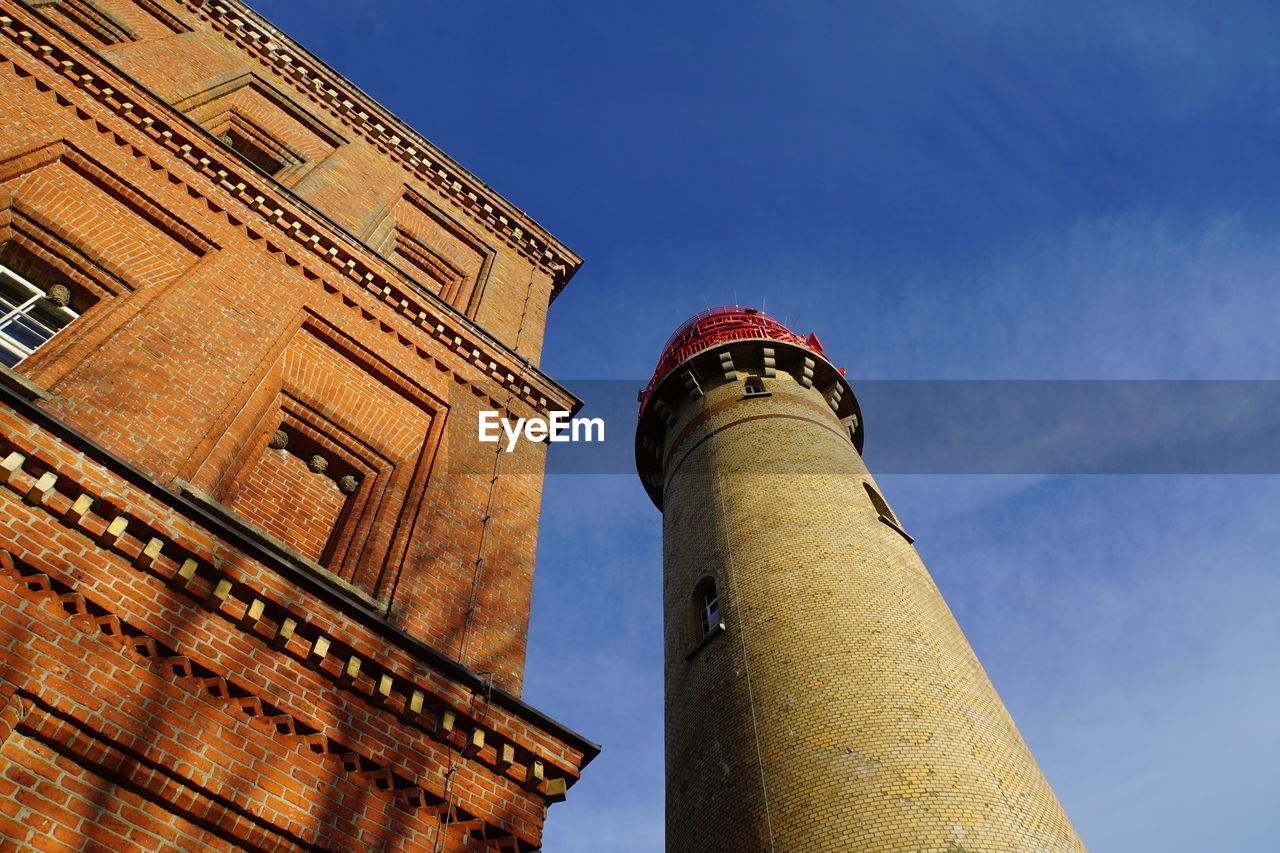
{"x": 255, "y": 592}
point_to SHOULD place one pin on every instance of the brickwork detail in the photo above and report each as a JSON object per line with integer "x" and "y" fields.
{"x": 183, "y": 563}
{"x": 841, "y": 707}
{"x": 391, "y": 135}
{"x": 248, "y": 109}
{"x": 252, "y": 596}
{"x": 443, "y": 257}
{"x": 285, "y": 495}
{"x": 247, "y": 188}
{"x": 116, "y": 523}
{"x": 80, "y": 367}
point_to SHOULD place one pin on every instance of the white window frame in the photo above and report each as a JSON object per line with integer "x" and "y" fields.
{"x": 23, "y": 311}
{"x": 707, "y": 613}
{"x": 710, "y": 613}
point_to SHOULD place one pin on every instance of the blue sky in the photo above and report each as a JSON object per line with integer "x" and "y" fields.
{"x": 989, "y": 190}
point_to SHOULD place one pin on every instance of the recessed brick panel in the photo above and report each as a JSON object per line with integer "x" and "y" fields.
{"x": 287, "y": 499}
{"x": 59, "y": 185}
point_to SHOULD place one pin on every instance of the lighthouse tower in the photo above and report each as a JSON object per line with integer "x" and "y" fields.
{"x": 819, "y": 693}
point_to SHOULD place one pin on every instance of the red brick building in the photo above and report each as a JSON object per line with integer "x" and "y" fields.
{"x": 258, "y": 590}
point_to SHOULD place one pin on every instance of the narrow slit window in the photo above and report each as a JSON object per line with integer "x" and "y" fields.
{"x": 878, "y": 502}
{"x": 886, "y": 514}
{"x": 706, "y": 603}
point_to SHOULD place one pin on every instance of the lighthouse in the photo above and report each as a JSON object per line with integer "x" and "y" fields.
{"x": 819, "y": 694}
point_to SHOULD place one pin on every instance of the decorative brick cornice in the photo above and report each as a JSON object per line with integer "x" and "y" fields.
{"x": 60, "y": 729}
{"x": 100, "y": 22}
{"x": 184, "y": 560}
{"x": 318, "y": 240}
{"x": 68, "y": 728}
{"x": 391, "y": 135}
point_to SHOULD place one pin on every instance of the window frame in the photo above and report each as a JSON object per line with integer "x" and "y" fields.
{"x": 884, "y": 513}
{"x": 709, "y": 611}
{"x": 753, "y": 386}
{"x": 24, "y": 311}
{"x": 705, "y": 615}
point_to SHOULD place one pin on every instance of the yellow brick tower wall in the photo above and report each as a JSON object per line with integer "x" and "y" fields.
{"x": 841, "y": 708}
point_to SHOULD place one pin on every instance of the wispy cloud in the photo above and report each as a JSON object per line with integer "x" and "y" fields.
{"x": 988, "y": 190}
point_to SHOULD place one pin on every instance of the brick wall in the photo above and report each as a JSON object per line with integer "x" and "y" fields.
{"x": 841, "y": 707}
{"x": 210, "y": 640}
{"x": 301, "y": 507}
{"x": 211, "y": 321}
{"x": 153, "y": 648}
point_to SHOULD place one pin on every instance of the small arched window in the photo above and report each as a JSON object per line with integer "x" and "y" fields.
{"x": 753, "y": 386}
{"x": 886, "y": 514}
{"x": 706, "y": 607}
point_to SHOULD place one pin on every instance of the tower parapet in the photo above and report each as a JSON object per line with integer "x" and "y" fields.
{"x": 723, "y": 345}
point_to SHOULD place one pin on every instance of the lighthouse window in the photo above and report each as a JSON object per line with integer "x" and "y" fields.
{"x": 882, "y": 508}
{"x": 705, "y": 621}
{"x": 753, "y": 386}
{"x": 710, "y": 610}
{"x": 706, "y": 604}
{"x": 886, "y": 514}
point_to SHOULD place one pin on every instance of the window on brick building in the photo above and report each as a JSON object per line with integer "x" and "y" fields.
{"x": 705, "y": 620}
{"x": 256, "y": 154}
{"x": 29, "y": 315}
{"x": 707, "y": 604}
{"x": 886, "y": 514}
{"x": 753, "y": 386}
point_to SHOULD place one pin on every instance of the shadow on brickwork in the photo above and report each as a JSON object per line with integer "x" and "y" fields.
{"x": 125, "y": 761}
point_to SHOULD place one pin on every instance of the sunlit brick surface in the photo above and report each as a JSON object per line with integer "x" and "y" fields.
{"x": 252, "y": 596}
{"x": 842, "y": 708}
{"x": 299, "y": 506}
